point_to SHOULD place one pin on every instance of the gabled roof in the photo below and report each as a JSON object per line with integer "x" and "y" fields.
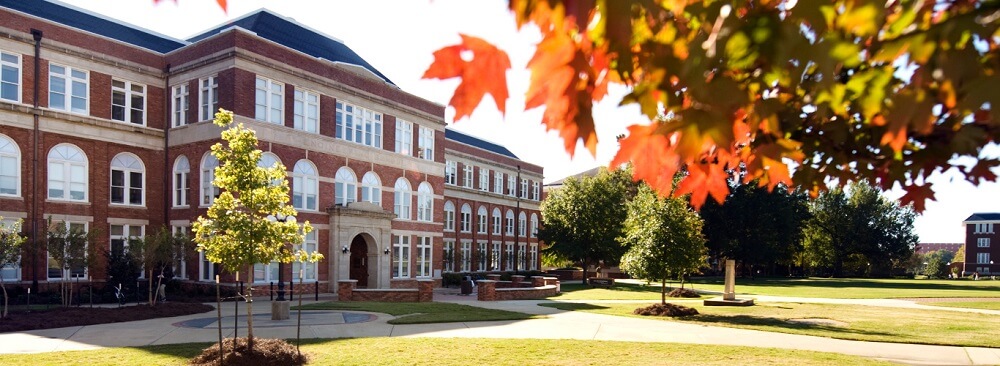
{"x": 291, "y": 34}
{"x": 65, "y": 14}
{"x": 589, "y": 173}
{"x": 477, "y": 142}
{"x": 987, "y": 216}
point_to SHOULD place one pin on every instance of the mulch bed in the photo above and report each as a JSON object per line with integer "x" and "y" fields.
{"x": 668, "y": 309}
{"x": 77, "y": 316}
{"x": 683, "y": 292}
{"x": 265, "y": 352}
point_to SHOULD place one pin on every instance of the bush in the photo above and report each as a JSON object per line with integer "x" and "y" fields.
{"x": 265, "y": 352}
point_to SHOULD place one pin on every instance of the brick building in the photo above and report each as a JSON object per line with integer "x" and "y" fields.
{"x": 981, "y": 241}
{"x": 106, "y": 127}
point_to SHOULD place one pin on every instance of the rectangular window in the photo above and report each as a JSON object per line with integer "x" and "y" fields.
{"x": 467, "y": 182}
{"x": 983, "y": 258}
{"x": 404, "y": 137}
{"x": 511, "y": 185}
{"x": 524, "y": 188}
{"x": 535, "y": 190}
{"x": 10, "y": 76}
{"x": 56, "y": 269}
{"x": 984, "y": 242}
{"x": 208, "y": 103}
{"x": 180, "y": 256}
{"x": 269, "y": 104}
{"x": 984, "y": 228}
{"x": 206, "y": 269}
{"x": 509, "y": 261}
{"x": 401, "y": 258}
{"x": 426, "y": 143}
{"x": 69, "y": 89}
{"x": 424, "y": 256}
{"x": 450, "y": 172}
{"x": 481, "y": 256}
{"x": 122, "y": 236}
{"x": 533, "y": 265}
{"x": 359, "y": 125}
{"x": 466, "y": 255}
{"x": 128, "y": 102}
{"x": 498, "y": 182}
{"x": 306, "y": 111}
{"x": 307, "y": 270}
{"x": 449, "y": 256}
{"x": 484, "y": 179}
{"x": 495, "y": 257}
{"x": 11, "y": 272}
{"x": 179, "y": 99}
{"x": 264, "y": 273}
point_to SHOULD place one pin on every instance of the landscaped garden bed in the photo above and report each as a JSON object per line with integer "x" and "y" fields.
{"x": 60, "y": 317}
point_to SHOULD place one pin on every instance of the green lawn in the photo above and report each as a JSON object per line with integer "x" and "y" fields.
{"x": 620, "y": 291}
{"x": 855, "y": 288}
{"x": 454, "y": 351}
{"x": 853, "y": 322}
{"x": 987, "y": 305}
{"x": 423, "y": 312}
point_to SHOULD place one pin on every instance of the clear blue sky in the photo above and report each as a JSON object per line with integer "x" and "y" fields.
{"x": 398, "y": 38}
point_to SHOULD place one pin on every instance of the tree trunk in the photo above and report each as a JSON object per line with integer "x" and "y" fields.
{"x": 250, "y": 308}
{"x": 4, "y": 299}
{"x": 663, "y": 291}
{"x": 149, "y": 287}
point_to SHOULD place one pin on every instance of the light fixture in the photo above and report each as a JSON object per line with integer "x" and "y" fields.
{"x": 344, "y": 250}
{"x": 386, "y": 251}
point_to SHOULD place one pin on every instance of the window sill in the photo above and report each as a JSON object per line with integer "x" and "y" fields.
{"x": 181, "y": 207}
{"x": 10, "y": 197}
{"x": 122, "y": 205}
{"x": 72, "y": 202}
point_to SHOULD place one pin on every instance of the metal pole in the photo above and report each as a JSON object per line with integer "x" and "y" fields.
{"x": 218, "y": 310}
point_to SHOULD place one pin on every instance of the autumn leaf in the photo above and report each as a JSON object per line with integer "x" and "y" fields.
{"x": 704, "y": 179}
{"x": 982, "y": 171}
{"x": 917, "y": 194}
{"x": 482, "y": 68}
{"x": 652, "y": 155}
{"x": 222, "y": 4}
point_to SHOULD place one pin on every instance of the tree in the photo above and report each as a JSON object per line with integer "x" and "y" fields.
{"x": 861, "y": 229}
{"x": 756, "y": 227}
{"x": 11, "y": 241}
{"x": 67, "y": 244}
{"x": 157, "y": 254}
{"x": 582, "y": 221}
{"x": 240, "y": 228}
{"x": 937, "y": 263}
{"x": 838, "y": 90}
{"x": 960, "y": 254}
{"x": 664, "y": 238}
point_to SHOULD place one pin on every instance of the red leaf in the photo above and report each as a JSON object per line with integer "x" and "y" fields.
{"x": 223, "y": 5}
{"x": 918, "y": 195}
{"x": 482, "y": 68}
{"x": 654, "y": 159}
{"x": 702, "y": 180}
{"x": 982, "y": 171}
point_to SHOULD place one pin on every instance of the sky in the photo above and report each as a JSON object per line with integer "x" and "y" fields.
{"x": 398, "y": 37}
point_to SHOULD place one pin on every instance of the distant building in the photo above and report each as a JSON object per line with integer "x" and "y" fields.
{"x": 924, "y": 248}
{"x": 586, "y": 174}
{"x": 981, "y": 240}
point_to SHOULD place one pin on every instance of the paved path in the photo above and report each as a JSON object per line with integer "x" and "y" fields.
{"x": 557, "y": 325}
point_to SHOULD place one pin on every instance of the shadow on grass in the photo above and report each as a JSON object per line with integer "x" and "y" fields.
{"x": 763, "y": 323}
{"x": 851, "y": 283}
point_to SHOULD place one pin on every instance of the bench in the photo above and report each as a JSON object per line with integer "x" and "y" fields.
{"x": 601, "y": 282}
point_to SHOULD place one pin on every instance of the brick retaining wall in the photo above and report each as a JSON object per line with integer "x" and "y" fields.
{"x": 543, "y": 287}
{"x": 423, "y": 292}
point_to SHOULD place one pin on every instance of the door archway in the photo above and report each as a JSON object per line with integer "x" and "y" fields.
{"x": 359, "y": 261}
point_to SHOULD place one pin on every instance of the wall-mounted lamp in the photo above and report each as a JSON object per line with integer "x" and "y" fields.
{"x": 345, "y": 250}
{"x": 386, "y": 251}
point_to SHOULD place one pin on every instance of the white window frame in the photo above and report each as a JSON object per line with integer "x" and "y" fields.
{"x": 425, "y": 143}
{"x": 450, "y": 172}
{"x": 206, "y": 269}
{"x": 983, "y": 258}
{"x": 466, "y": 218}
{"x": 67, "y": 165}
{"x": 466, "y": 255}
{"x": 495, "y": 256}
{"x": 535, "y": 188}
{"x": 7, "y": 66}
{"x": 305, "y": 186}
{"x": 269, "y": 100}
{"x": 534, "y": 225}
{"x": 180, "y": 259}
{"x": 345, "y": 187}
{"x": 522, "y": 256}
{"x": 129, "y": 91}
{"x": 402, "y": 197}
{"x": 509, "y": 263}
{"x": 424, "y": 256}
{"x": 305, "y": 110}
{"x": 484, "y": 179}
{"x": 66, "y": 273}
{"x": 449, "y": 216}
{"x": 511, "y": 185}
{"x": 125, "y": 236}
{"x": 983, "y": 242}
{"x": 208, "y": 191}
{"x": 482, "y": 220}
{"x": 481, "y": 255}
{"x": 365, "y": 125}
{"x": 13, "y": 269}
{"x": 265, "y": 272}
{"x": 425, "y": 202}
{"x": 467, "y": 180}
{"x": 128, "y": 164}
{"x": 522, "y": 224}
{"x": 497, "y": 221}
{"x": 69, "y": 81}
{"x": 208, "y": 98}
{"x": 448, "y": 265}
{"x": 180, "y": 102}
{"x": 10, "y": 167}
{"x": 534, "y": 257}
{"x": 524, "y": 188}
{"x": 310, "y": 245}
{"x": 401, "y": 256}
{"x": 404, "y": 137}
{"x": 509, "y": 222}
{"x": 984, "y": 228}
{"x": 371, "y": 189}
{"x": 497, "y": 182}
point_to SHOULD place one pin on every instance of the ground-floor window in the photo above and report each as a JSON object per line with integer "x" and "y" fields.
{"x": 495, "y": 257}
{"x": 448, "y": 262}
{"x": 509, "y": 262}
{"x": 206, "y": 269}
{"x": 180, "y": 256}
{"x": 534, "y": 257}
{"x": 308, "y": 270}
{"x": 68, "y": 231}
{"x": 123, "y": 237}
{"x": 401, "y": 257}
{"x": 466, "y": 255}
{"x": 424, "y": 256}
{"x": 481, "y": 254}
{"x": 264, "y": 273}
{"x": 522, "y": 256}
{"x": 10, "y": 272}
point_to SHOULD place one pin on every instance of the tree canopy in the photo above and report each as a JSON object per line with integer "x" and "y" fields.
{"x": 797, "y": 92}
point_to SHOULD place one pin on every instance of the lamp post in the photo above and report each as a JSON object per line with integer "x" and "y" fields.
{"x": 281, "y": 265}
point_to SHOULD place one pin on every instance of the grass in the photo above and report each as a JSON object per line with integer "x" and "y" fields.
{"x": 423, "y": 312}
{"x": 852, "y": 322}
{"x": 855, "y": 288}
{"x": 620, "y": 291}
{"x": 456, "y": 351}
{"x": 986, "y": 305}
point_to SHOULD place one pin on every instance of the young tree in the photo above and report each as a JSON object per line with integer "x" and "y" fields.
{"x": 157, "y": 254}
{"x": 664, "y": 238}
{"x": 240, "y": 228}
{"x": 11, "y": 241}
{"x": 582, "y": 221}
{"x": 67, "y": 244}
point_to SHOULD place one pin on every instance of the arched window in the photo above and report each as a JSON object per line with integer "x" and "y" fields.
{"x": 371, "y": 188}
{"x": 482, "y": 219}
{"x": 269, "y": 160}
{"x": 449, "y": 216}
{"x": 466, "y": 218}
{"x": 10, "y": 167}
{"x": 127, "y": 180}
{"x": 425, "y": 202}
{"x": 522, "y": 224}
{"x": 402, "y": 198}
{"x": 509, "y": 229}
{"x": 496, "y": 221}
{"x": 67, "y": 173}
{"x": 346, "y": 187}
{"x": 534, "y": 225}
{"x": 208, "y": 190}
{"x": 305, "y": 186}
{"x": 182, "y": 168}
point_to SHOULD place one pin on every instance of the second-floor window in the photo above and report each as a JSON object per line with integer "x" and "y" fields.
{"x": 128, "y": 102}
{"x": 983, "y": 242}
{"x": 180, "y": 101}
{"x": 10, "y": 76}
{"x": 208, "y": 98}
{"x": 305, "y": 186}
{"x": 269, "y": 105}
{"x": 484, "y": 179}
{"x": 467, "y": 182}
{"x": 306, "y": 111}
{"x": 450, "y": 172}
{"x": 127, "y": 180}
{"x": 68, "y": 89}
{"x": 404, "y": 137}
{"x": 359, "y": 125}
{"x": 67, "y": 173}
{"x": 498, "y": 182}
{"x": 182, "y": 168}
{"x": 426, "y": 143}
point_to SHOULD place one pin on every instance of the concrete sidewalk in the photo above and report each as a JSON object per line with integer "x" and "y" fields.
{"x": 557, "y": 325}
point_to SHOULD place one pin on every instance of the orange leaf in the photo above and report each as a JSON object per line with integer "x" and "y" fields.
{"x": 482, "y": 68}
{"x": 918, "y": 195}
{"x": 704, "y": 180}
{"x": 223, "y": 5}
{"x": 653, "y": 157}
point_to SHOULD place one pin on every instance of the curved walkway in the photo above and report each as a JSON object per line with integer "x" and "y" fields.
{"x": 556, "y": 325}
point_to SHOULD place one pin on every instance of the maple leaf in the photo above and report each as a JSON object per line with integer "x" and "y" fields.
{"x": 917, "y": 194}
{"x": 653, "y": 157}
{"x": 222, "y": 4}
{"x": 982, "y": 171}
{"x": 482, "y": 68}
{"x": 702, "y": 180}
